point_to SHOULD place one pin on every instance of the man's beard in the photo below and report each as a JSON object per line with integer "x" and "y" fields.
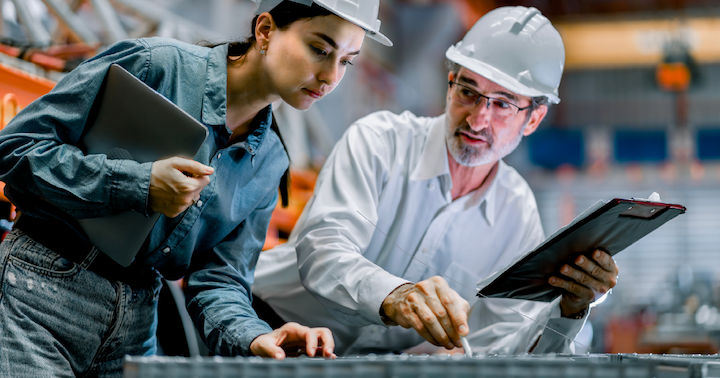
{"x": 469, "y": 156}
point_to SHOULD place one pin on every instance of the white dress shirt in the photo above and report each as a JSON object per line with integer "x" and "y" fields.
{"x": 382, "y": 215}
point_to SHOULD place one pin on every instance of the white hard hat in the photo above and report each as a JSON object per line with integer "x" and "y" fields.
{"x": 363, "y": 13}
{"x": 517, "y": 48}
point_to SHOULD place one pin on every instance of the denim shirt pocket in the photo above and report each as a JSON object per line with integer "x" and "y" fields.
{"x": 168, "y": 234}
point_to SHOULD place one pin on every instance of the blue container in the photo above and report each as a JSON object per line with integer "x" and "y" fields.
{"x": 552, "y": 148}
{"x": 640, "y": 146}
{"x": 708, "y": 144}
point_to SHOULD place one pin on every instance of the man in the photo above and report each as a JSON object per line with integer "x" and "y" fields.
{"x": 404, "y": 201}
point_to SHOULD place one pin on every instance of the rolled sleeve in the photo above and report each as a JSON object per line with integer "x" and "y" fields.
{"x": 219, "y": 296}
{"x": 338, "y": 226}
{"x": 130, "y": 183}
{"x": 513, "y": 326}
{"x": 39, "y": 153}
{"x": 226, "y": 321}
{"x": 560, "y": 333}
{"x": 375, "y": 289}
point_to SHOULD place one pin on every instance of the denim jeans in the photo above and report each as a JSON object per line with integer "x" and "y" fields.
{"x": 58, "y": 319}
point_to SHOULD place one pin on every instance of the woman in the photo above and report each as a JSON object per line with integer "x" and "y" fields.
{"x": 66, "y": 309}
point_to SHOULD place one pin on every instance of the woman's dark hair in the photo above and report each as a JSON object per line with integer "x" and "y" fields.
{"x": 284, "y": 15}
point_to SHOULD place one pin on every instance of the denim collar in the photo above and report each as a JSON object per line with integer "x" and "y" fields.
{"x": 214, "y": 103}
{"x": 214, "y": 111}
{"x": 259, "y": 128}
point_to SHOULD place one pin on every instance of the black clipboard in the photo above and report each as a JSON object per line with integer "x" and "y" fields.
{"x": 611, "y": 227}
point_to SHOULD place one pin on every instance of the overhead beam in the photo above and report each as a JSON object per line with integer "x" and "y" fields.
{"x": 156, "y": 14}
{"x": 109, "y": 20}
{"x": 71, "y": 21}
{"x": 634, "y": 43}
{"x": 36, "y": 32}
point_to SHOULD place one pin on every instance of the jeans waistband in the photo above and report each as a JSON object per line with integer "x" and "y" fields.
{"x": 62, "y": 239}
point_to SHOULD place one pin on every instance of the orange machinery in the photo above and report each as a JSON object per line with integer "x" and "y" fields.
{"x": 17, "y": 89}
{"x": 283, "y": 220}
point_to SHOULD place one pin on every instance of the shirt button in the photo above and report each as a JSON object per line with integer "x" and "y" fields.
{"x": 251, "y": 150}
{"x": 431, "y": 186}
{"x": 166, "y": 250}
{"x": 199, "y": 203}
{"x": 219, "y": 154}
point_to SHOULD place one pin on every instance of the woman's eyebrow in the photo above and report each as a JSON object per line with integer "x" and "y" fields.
{"x": 332, "y": 43}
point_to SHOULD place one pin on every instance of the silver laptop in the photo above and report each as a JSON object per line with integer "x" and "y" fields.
{"x": 130, "y": 120}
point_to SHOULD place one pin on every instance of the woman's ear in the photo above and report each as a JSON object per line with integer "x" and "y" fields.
{"x": 265, "y": 24}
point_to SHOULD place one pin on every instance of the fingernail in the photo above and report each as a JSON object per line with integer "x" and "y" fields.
{"x": 278, "y": 355}
{"x": 462, "y": 329}
{"x": 581, "y": 260}
{"x": 565, "y": 269}
{"x": 597, "y": 254}
{"x": 449, "y": 346}
{"x": 553, "y": 280}
{"x": 311, "y": 352}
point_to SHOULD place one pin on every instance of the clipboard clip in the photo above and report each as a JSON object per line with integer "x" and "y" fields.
{"x": 643, "y": 210}
{"x": 647, "y": 209}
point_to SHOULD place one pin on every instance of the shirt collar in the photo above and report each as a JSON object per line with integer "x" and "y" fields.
{"x": 259, "y": 127}
{"x": 214, "y": 102}
{"x": 482, "y": 198}
{"x": 430, "y": 166}
{"x": 433, "y": 161}
{"x": 487, "y": 193}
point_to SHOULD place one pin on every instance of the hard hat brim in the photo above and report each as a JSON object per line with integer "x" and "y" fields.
{"x": 379, "y": 37}
{"x": 496, "y": 76}
{"x": 268, "y": 5}
{"x": 376, "y": 35}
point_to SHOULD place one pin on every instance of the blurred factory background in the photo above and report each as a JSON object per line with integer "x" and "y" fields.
{"x": 640, "y": 113}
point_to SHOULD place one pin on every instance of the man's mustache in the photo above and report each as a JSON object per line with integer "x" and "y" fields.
{"x": 484, "y": 134}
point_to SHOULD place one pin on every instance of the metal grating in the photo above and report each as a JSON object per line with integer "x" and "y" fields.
{"x": 440, "y": 366}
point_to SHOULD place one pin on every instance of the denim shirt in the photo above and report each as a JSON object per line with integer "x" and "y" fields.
{"x": 216, "y": 242}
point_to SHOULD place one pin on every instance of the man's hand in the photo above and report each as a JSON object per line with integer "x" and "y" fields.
{"x": 597, "y": 277}
{"x": 176, "y": 183}
{"x": 290, "y": 338}
{"x": 432, "y": 308}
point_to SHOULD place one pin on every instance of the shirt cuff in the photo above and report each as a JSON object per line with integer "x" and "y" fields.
{"x": 561, "y": 333}
{"x": 559, "y": 341}
{"x": 130, "y": 185}
{"x": 374, "y": 290}
{"x": 249, "y": 335}
{"x": 235, "y": 341}
{"x": 556, "y": 312}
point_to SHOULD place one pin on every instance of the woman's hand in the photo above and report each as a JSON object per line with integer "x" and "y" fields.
{"x": 290, "y": 338}
{"x": 176, "y": 183}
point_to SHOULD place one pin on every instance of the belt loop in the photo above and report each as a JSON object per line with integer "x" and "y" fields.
{"x": 90, "y": 258}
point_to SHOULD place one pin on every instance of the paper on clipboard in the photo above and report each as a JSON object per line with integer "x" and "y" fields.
{"x": 608, "y": 225}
